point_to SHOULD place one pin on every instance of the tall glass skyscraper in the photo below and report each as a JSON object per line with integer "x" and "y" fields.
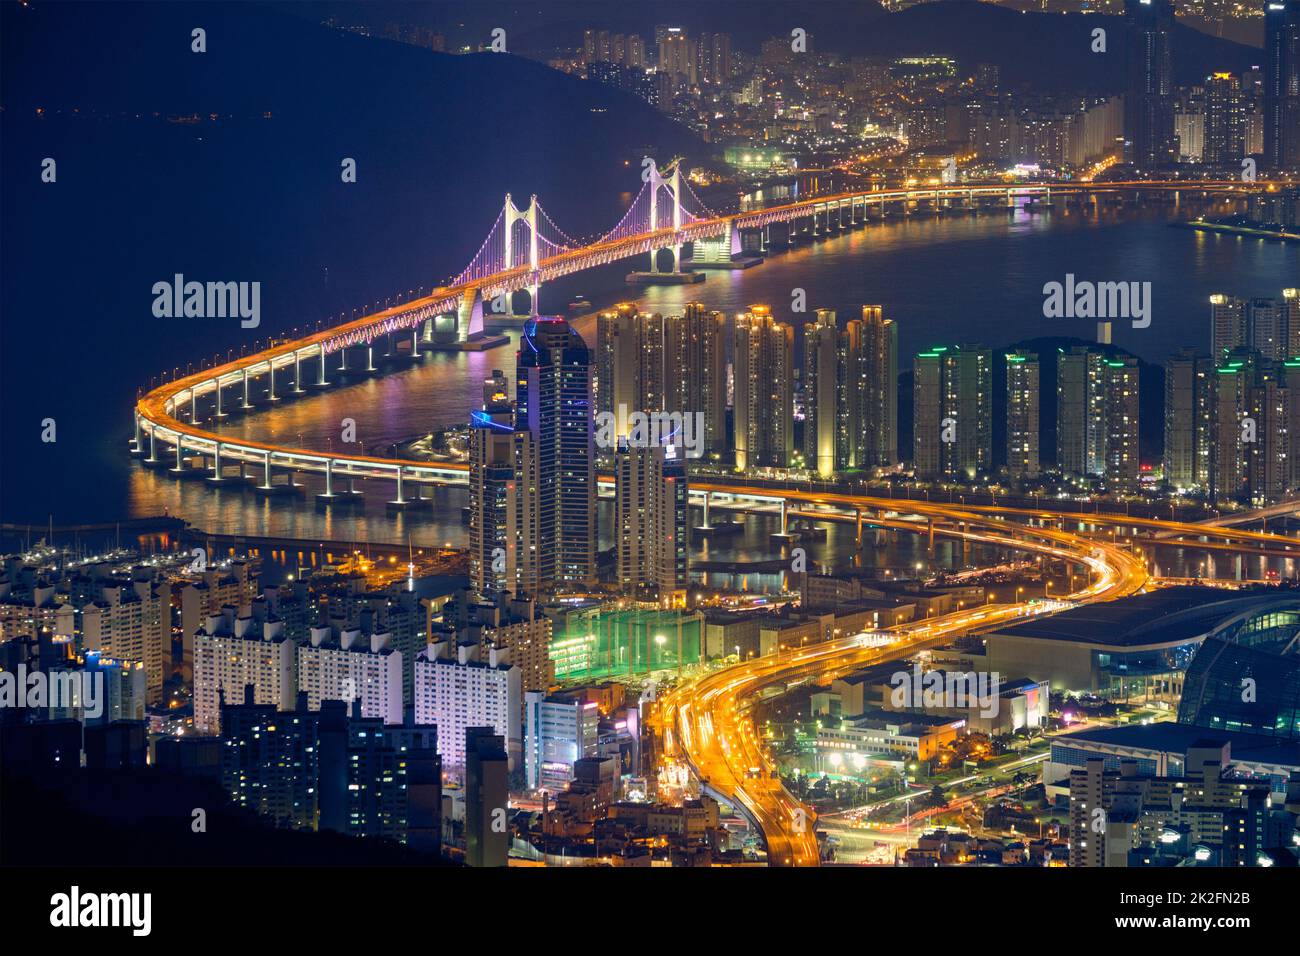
{"x": 1282, "y": 83}
{"x": 556, "y": 471}
{"x": 1149, "y": 84}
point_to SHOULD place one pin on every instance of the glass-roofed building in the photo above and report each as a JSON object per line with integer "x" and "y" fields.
{"x": 1246, "y": 674}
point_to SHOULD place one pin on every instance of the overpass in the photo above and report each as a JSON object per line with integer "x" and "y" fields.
{"x": 1283, "y": 509}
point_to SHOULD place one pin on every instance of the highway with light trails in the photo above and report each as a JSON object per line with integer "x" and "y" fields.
{"x": 708, "y": 722}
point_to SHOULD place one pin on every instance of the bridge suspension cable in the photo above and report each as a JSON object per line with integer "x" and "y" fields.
{"x": 697, "y": 209}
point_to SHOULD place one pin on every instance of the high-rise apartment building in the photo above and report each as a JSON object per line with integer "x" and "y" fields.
{"x": 459, "y": 685}
{"x": 874, "y": 379}
{"x": 1266, "y": 321}
{"x": 1227, "y": 324}
{"x": 1282, "y": 83}
{"x": 650, "y": 515}
{"x": 1291, "y": 322}
{"x": 1128, "y": 816}
{"x": 270, "y": 761}
{"x": 632, "y": 367}
{"x": 131, "y": 621}
{"x": 234, "y": 583}
{"x": 1120, "y": 385}
{"x": 494, "y": 500}
{"x": 695, "y": 369}
{"x": 824, "y": 444}
{"x": 1234, "y": 379}
{"x": 1080, "y": 412}
{"x": 332, "y": 769}
{"x": 487, "y": 796}
{"x": 232, "y": 653}
{"x": 352, "y": 667}
{"x": 1100, "y": 830}
{"x": 615, "y": 354}
{"x": 1189, "y": 420}
{"x": 514, "y": 626}
{"x": 677, "y": 55}
{"x": 1269, "y": 326}
{"x": 713, "y": 58}
{"x": 764, "y": 391}
{"x": 1149, "y": 87}
{"x": 952, "y": 411}
{"x": 378, "y": 780}
{"x": 1022, "y": 414}
{"x": 1254, "y": 428}
{"x": 555, "y": 467}
{"x": 850, "y": 392}
{"x": 1225, "y": 121}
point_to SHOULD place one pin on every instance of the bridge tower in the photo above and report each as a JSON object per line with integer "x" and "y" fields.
{"x": 529, "y": 216}
{"x": 673, "y": 185}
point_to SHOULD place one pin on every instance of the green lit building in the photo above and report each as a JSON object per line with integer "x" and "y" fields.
{"x": 603, "y": 644}
{"x": 754, "y": 157}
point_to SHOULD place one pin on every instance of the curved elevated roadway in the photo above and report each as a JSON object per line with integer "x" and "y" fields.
{"x": 708, "y": 722}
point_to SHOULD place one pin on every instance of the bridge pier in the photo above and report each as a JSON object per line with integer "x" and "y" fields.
{"x": 785, "y": 536}
{"x": 268, "y": 487}
{"x": 220, "y": 413}
{"x": 328, "y": 496}
{"x": 215, "y": 478}
{"x": 400, "y": 502}
{"x": 469, "y": 315}
{"x": 246, "y": 402}
{"x": 297, "y": 372}
{"x": 322, "y": 383}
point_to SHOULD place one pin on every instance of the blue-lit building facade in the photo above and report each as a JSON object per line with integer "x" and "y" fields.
{"x": 556, "y": 469}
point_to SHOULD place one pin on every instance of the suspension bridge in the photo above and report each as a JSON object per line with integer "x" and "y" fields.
{"x": 523, "y": 250}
